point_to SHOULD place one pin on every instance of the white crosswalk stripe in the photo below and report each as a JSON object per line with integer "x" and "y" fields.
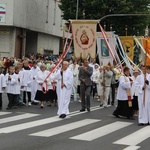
{"x": 102, "y": 131}
{"x": 4, "y": 113}
{"x": 28, "y": 125}
{"x": 135, "y": 138}
{"x": 18, "y": 117}
{"x": 65, "y": 128}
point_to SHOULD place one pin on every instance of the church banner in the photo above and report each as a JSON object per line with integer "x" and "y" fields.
{"x": 146, "y": 45}
{"x": 128, "y": 45}
{"x": 84, "y": 36}
{"x": 102, "y": 49}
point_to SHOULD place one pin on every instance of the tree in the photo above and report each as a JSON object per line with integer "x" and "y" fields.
{"x": 95, "y": 9}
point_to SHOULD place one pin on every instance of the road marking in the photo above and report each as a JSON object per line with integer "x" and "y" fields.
{"x": 132, "y": 148}
{"x": 28, "y": 125}
{"x": 18, "y": 117}
{"x": 135, "y": 138}
{"x": 65, "y": 128}
{"x": 4, "y": 113}
{"x": 102, "y": 131}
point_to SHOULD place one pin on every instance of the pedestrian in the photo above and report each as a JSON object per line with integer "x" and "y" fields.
{"x": 105, "y": 80}
{"x": 35, "y": 69}
{"x": 85, "y": 74}
{"x": 74, "y": 67}
{"x": 113, "y": 86}
{"x": 142, "y": 84}
{"x": 124, "y": 96}
{"x": 42, "y": 89}
{"x": 135, "y": 92}
{"x": 64, "y": 85}
{"x": 2, "y": 86}
{"x": 52, "y": 95}
{"x": 26, "y": 81}
{"x": 10, "y": 88}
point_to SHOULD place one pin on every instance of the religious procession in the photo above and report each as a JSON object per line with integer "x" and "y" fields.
{"x": 43, "y": 80}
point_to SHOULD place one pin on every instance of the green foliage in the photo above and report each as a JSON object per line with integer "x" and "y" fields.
{"x": 95, "y": 9}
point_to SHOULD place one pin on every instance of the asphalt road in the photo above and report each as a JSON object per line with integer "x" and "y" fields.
{"x": 33, "y": 128}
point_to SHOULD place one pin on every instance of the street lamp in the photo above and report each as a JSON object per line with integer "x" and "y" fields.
{"x": 77, "y": 9}
{"x": 126, "y": 30}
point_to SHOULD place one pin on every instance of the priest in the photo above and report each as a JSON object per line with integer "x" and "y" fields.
{"x": 124, "y": 96}
{"x": 142, "y": 84}
{"x": 64, "y": 78}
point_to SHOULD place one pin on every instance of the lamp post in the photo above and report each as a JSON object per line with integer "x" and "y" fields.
{"x": 77, "y": 9}
{"x": 126, "y": 30}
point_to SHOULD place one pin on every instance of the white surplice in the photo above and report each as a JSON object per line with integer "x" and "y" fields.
{"x": 64, "y": 93}
{"x": 2, "y": 83}
{"x": 144, "y": 109}
{"x": 26, "y": 80}
{"x": 34, "y": 84}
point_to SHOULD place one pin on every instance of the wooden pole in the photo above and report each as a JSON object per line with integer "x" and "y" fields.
{"x": 146, "y": 35}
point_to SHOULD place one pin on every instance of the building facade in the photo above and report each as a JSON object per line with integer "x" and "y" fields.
{"x": 30, "y": 26}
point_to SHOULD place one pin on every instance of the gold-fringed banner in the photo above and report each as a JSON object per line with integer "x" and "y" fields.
{"x": 84, "y": 36}
{"x": 128, "y": 45}
{"x": 146, "y": 45}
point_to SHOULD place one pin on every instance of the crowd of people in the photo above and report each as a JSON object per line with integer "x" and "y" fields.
{"x": 32, "y": 77}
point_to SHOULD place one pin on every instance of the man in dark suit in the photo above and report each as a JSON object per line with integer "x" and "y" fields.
{"x": 85, "y": 74}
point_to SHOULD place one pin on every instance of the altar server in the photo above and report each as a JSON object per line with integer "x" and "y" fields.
{"x": 26, "y": 81}
{"x": 35, "y": 69}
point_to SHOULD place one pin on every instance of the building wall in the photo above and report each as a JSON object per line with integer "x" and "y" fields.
{"x": 48, "y": 42}
{"x": 7, "y": 41}
{"x": 9, "y": 12}
{"x": 38, "y": 15}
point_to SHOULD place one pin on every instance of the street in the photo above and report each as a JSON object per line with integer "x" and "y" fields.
{"x": 33, "y": 128}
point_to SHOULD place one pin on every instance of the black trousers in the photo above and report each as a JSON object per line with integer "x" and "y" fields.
{"x": 24, "y": 96}
{"x": 113, "y": 87}
{"x": 13, "y": 99}
{"x": 85, "y": 96}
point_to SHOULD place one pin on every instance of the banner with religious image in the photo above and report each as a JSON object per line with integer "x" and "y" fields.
{"x": 102, "y": 49}
{"x": 84, "y": 36}
{"x": 128, "y": 45}
{"x": 146, "y": 45}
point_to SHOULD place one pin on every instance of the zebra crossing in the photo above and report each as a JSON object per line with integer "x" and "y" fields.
{"x": 131, "y": 140}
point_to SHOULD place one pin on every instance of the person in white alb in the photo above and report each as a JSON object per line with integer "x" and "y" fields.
{"x": 75, "y": 69}
{"x": 64, "y": 79}
{"x": 124, "y": 107}
{"x": 142, "y": 84}
{"x": 2, "y": 86}
{"x": 12, "y": 83}
{"x": 35, "y": 69}
{"x": 26, "y": 82}
{"x": 135, "y": 92}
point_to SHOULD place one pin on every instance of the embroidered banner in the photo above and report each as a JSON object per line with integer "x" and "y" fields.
{"x": 128, "y": 45}
{"x": 146, "y": 45}
{"x": 102, "y": 49}
{"x": 84, "y": 36}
